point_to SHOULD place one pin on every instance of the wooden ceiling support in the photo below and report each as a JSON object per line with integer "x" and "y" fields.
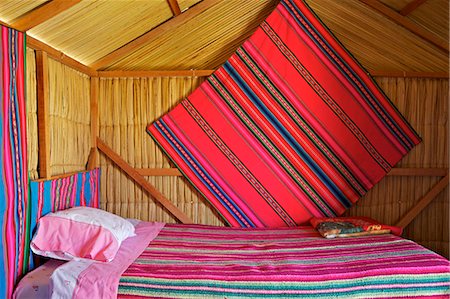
{"x": 411, "y": 6}
{"x": 408, "y": 24}
{"x": 156, "y": 73}
{"x": 60, "y": 56}
{"x": 43, "y": 114}
{"x": 41, "y": 14}
{"x": 152, "y": 34}
{"x": 423, "y": 202}
{"x": 175, "y": 7}
{"x": 139, "y": 179}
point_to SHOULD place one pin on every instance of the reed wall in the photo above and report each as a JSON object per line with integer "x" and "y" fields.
{"x": 32, "y": 128}
{"x": 70, "y": 129}
{"x": 126, "y": 107}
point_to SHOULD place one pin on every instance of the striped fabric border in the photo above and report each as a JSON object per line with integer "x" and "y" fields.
{"x": 80, "y": 189}
{"x": 288, "y": 128}
{"x": 14, "y": 203}
{"x": 194, "y": 261}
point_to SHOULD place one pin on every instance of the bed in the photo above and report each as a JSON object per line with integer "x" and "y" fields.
{"x": 199, "y": 261}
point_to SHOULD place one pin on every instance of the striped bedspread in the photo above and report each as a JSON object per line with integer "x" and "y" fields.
{"x": 193, "y": 261}
{"x": 288, "y": 128}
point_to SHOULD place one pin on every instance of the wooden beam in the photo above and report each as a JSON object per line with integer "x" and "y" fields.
{"x": 156, "y": 73}
{"x": 41, "y": 14}
{"x": 175, "y": 7}
{"x": 153, "y": 34}
{"x": 408, "y": 24}
{"x": 409, "y": 74}
{"x": 159, "y": 172}
{"x": 418, "y": 172}
{"x": 205, "y": 73}
{"x": 423, "y": 202}
{"x": 60, "y": 176}
{"x": 133, "y": 174}
{"x": 43, "y": 114}
{"x": 94, "y": 161}
{"x": 60, "y": 56}
{"x": 411, "y": 6}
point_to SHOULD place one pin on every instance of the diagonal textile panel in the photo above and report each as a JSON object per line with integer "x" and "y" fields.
{"x": 290, "y": 127}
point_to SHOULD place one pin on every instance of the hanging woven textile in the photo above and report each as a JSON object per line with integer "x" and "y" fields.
{"x": 290, "y": 127}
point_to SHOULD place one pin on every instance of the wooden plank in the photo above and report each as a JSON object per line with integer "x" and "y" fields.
{"x": 411, "y": 6}
{"x": 59, "y": 56}
{"x": 408, "y": 74}
{"x": 156, "y": 73}
{"x": 60, "y": 176}
{"x": 159, "y": 172}
{"x": 94, "y": 159}
{"x": 41, "y": 14}
{"x": 418, "y": 172}
{"x": 43, "y": 113}
{"x": 153, "y": 34}
{"x": 175, "y": 7}
{"x": 423, "y": 202}
{"x": 408, "y": 24}
{"x": 133, "y": 174}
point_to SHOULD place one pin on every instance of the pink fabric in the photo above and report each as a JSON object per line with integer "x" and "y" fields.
{"x": 64, "y": 239}
{"x": 101, "y": 280}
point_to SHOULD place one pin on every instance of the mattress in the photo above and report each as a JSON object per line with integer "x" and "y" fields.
{"x": 193, "y": 261}
{"x": 198, "y": 261}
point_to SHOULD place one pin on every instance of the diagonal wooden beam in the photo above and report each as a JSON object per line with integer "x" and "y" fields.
{"x": 411, "y": 6}
{"x": 153, "y": 34}
{"x": 60, "y": 56}
{"x": 408, "y": 24}
{"x": 41, "y": 14}
{"x": 175, "y": 7}
{"x": 423, "y": 202}
{"x": 134, "y": 174}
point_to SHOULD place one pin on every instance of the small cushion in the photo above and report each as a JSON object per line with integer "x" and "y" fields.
{"x": 351, "y": 227}
{"x": 81, "y": 232}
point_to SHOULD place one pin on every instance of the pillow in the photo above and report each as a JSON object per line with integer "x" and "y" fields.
{"x": 351, "y": 227}
{"x": 81, "y": 233}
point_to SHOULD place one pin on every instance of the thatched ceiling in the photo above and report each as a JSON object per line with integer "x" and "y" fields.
{"x": 402, "y": 35}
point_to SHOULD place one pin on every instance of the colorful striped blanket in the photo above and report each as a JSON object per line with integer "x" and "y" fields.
{"x": 194, "y": 261}
{"x": 288, "y": 128}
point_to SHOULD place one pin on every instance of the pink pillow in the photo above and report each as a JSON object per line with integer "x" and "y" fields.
{"x": 81, "y": 232}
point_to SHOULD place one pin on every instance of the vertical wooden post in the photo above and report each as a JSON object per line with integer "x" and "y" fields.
{"x": 43, "y": 113}
{"x": 93, "y": 155}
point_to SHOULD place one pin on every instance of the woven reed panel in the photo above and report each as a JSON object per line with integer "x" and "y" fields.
{"x": 377, "y": 42}
{"x": 203, "y": 42}
{"x": 32, "y": 128}
{"x": 126, "y": 107}
{"x": 70, "y": 129}
{"x": 11, "y": 9}
{"x": 424, "y": 103}
{"x": 434, "y": 16}
{"x": 92, "y": 29}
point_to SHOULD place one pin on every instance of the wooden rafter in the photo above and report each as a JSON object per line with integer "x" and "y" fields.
{"x": 411, "y": 6}
{"x": 132, "y": 173}
{"x": 43, "y": 114}
{"x": 153, "y": 34}
{"x": 41, "y": 14}
{"x": 408, "y": 24}
{"x": 423, "y": 202}
{"x": 175, "y": 7}
{"x": 60, "y": 56}
{"x": 156, "y": 73}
